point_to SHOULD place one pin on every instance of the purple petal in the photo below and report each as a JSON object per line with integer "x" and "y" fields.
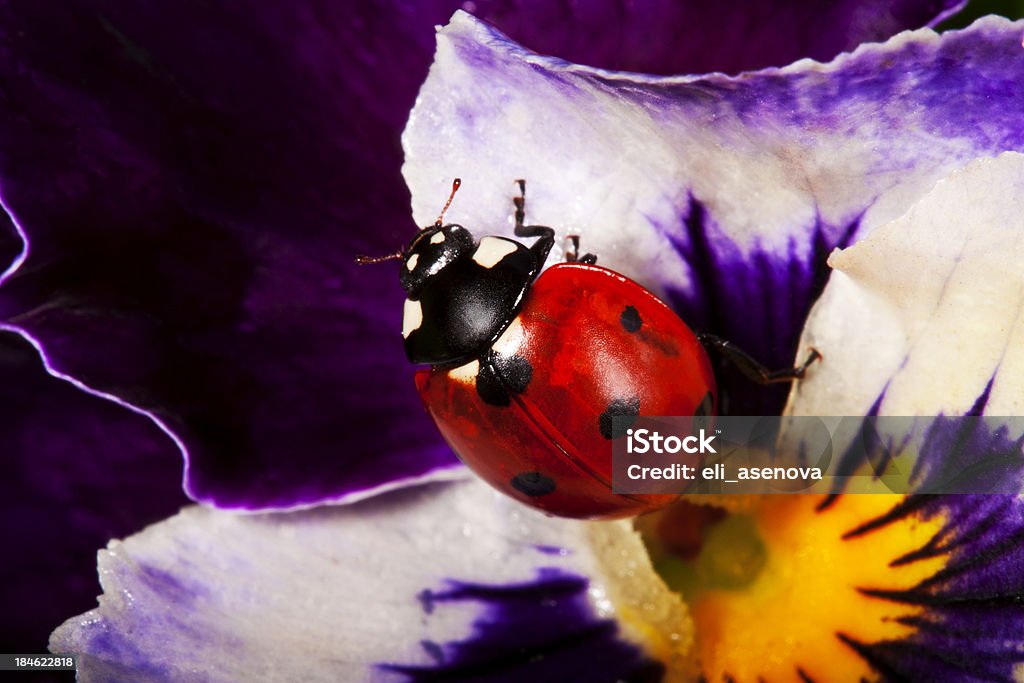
{"x": 196, "y": 186}
{"x": 78, "y": 470}
{"x": 194, "y": 215}
{"x": 700, "y": 36}
{"x": 722, "y": 194}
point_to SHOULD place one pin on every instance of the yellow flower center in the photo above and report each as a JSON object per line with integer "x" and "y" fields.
{"x": 776, "y": 591}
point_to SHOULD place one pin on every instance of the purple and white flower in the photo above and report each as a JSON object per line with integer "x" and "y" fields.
{"x": 184, "y": 199}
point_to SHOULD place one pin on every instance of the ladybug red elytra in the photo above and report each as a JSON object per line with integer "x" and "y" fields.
{"x": 528, "y": 369}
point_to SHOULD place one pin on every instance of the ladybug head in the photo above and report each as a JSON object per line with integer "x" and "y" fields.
{"x": 461, "y": 293}
{"x": 431, "y": 251}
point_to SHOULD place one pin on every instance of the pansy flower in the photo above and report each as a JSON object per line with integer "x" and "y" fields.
{"x": 190, "y": 231}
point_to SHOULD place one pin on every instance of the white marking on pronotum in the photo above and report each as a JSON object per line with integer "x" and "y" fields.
{"x": 465, "y": 373}
{"x": 511, "y": 340}
{"x": 437, "y": 238}
{"x": 492, "y": 250}
{"x": 411, "y": 262}
{"x": 412, "y": 316}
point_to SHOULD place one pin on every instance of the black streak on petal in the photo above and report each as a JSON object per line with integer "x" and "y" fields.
{"x": 803, "y": 676}
{"x": 426, "y": 600}
{"x": 902, "y": 510}
{"x": 433, "y": 649}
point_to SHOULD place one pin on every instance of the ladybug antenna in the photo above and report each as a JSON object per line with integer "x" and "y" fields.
{"x": 367, "y": 260}
{"x": 455, "y": 188}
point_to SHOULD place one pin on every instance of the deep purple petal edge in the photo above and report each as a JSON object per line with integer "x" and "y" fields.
{"x": 78, "y": 471}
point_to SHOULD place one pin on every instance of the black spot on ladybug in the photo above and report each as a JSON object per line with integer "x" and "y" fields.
{"x": 501, "y": 376}
{"x": 516, "y": 371}
{"x": 704, "y": 409}
{"x": 489, "y": 386}
{"x": 533, "y": 484}
{"x": 612, "y": 429}
{"x": 630, "y": 319}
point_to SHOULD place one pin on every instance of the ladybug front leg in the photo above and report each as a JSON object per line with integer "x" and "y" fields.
{"x": 752, "y": 369}
{"x": 545, "y": 235}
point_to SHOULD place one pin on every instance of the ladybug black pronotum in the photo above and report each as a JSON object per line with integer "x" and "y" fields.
{"x": 528, "y": 369}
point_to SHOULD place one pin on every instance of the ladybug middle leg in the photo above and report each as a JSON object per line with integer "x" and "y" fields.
{"x": 572, "y": 255}
{"x": 752, "y": 369}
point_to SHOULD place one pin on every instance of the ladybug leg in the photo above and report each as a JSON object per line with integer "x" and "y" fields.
{"x": 572, "y": 253}
{"x": 545, "y": 235}
{"x": 520, "y": 204}
{"x": 752, "y": 369}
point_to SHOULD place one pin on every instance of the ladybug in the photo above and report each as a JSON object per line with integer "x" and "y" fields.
{"x": 528, "y": 369}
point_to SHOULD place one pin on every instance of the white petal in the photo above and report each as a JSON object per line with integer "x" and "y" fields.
{"x": 929, "y": 308}
{"x": 329, "y": 594}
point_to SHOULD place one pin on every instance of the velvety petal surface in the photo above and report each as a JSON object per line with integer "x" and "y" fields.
{"x": 195, "y": 186}
{"x": 196, "y": 183}
{"x": 699, "y": 36}
{"x": 446, "y": 582}
{"x": 724, "y": 195}
{"x": 77, "y": 470}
